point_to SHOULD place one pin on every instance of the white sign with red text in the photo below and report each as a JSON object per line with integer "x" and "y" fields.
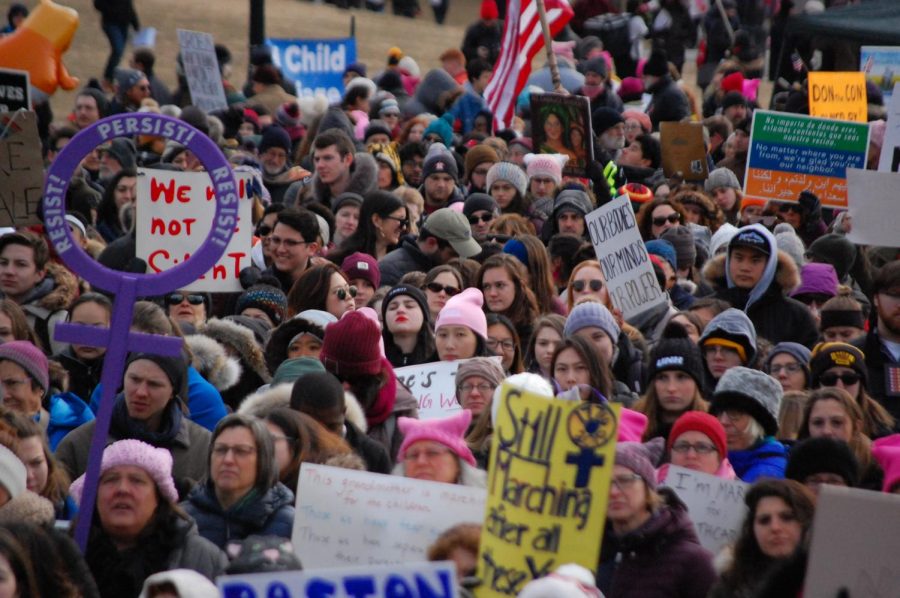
{"x": 174, "y": 213}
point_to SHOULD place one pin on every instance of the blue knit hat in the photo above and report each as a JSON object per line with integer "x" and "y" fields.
{"x": 517, "y": 249}
{"x": 663, "y": 249}
{"x": 592, "y": 313}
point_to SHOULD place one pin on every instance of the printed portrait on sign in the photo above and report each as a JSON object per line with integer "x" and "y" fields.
{"x": 562, "y": 125}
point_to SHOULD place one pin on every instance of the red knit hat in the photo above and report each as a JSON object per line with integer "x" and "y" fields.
{"x": 697, "y": 421}
{"x": 733, "y": 82}
{"x": 351, "y": 346}
{"x": 489, "y": 10}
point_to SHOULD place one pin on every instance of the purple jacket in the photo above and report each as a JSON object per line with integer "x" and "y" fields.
{"x": 661, "y": 559}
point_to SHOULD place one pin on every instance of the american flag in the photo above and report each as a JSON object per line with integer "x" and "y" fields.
{"x": 797, "y": 62}
{"x": 522, "y": 39}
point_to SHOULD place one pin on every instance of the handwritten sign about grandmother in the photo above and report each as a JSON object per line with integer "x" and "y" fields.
{"x": 790, "y": 153}
{"x": 174, "y": 215}
{"x": 548, "y": 486}
{"x": 629, "y": 275}
{"x": 416, "y": 580}
{"x": 434, "y": 386}
{"x": 716, "y": 505}
{"x": 347, "y": 517}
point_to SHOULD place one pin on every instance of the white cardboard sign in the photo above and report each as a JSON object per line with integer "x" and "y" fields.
{"x": 434, "y": 386}
{"x": 873, "y": 204}
{"x": 174, "y": 216}
{"x": 347, "y": 518}
{"x": 623, "y": 256}
{"x": 201, "y": 67}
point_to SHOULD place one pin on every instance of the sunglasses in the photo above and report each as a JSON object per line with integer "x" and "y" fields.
{"x": 790, "y": 207}
{"x": 177, "y": 298}
{"x": 263, "y": 230}
{"x": 435, "y": 287}
{"x": 403, "y": 222}
{"x": 343, "y": 292}
{"x": 673, "y": 218}
{"x": 831, "y": 379}
{"x": 595, "y": 285}
{"x": 483, "y": 218}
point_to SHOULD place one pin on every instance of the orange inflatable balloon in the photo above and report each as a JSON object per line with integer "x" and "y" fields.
{"x": 38, "y": 44}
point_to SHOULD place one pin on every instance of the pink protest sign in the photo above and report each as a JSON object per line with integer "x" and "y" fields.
{"x": 127, "y": 287}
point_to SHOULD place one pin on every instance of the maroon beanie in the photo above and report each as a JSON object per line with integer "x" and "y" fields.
{"x": 351, "y": 346}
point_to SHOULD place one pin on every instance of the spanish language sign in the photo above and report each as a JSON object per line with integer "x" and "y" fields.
{"x": 629, "y": 274}
{"x": 21, "y": 169}
{"x": 201, "y": 67}
{"x": 562, "y": 125}
{"x": 790, "y": 153}
{"x": 855, "y": 544}
{"x": 716, "y": 505}
{"x": 415, "y": 580}
{"x": 881, "y": 64}
{"x": 841, "y": 96}
{"x": 346, "y": 517}
{"x": 174, "y": 216}
{"x": 683, "y": 150}
{"x": 548, "y": 485}
{"x": 15, "y": 93}
{"x": 316, "y": 66}
{"x": 434, "y": 386}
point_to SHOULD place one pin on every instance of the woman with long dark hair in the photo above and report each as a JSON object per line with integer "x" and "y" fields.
{"x": 121, "y": 190}
{"x": 324, "y": 287}
{"x": 505, "y": 284}
{"x": 383, "y": 218}
{"x": 577, "y": 362}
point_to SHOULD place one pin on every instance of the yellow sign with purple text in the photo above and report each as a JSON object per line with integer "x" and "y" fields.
{"x": 548, "y": 485}
{"x": 841, "y": 96}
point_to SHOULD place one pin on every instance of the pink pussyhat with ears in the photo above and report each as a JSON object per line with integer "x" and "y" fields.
{"x": 631, "y": 425}
{"x": 887, "y": 452}
{"x": 449, "y": 431}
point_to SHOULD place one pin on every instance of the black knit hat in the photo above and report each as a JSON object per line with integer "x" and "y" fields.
{"x": 675, "y": 351}
{"x": 822, "y": 455}
{"x": 175, "y": 369}
{"x": 414, "y": 292}
{"x": 830, "y": 355}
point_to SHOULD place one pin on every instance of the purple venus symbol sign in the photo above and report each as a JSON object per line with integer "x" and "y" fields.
{"x": 125, "y": 287}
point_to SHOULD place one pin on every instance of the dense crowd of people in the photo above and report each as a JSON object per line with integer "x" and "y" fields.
{"x": 399, "y": 228}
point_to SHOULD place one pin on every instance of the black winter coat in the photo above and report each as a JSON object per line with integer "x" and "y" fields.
{"x": 668, "y": 103}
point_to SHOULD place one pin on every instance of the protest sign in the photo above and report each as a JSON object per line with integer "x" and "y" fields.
{"x": 854, "y": 544}
{"x": 316, "y": 66}
{"x": 548, "y": 484}
{"x": 889, "y": 159}
{"x": 716, "y": 506}
{"x": 15, "y": 92}
{"x": 683, "y": 150}
{"x": 562, "y": 125}
{"x": 21, "y": 169}
{"x": 873, "y": 207}
{"x": 881, "y": 64}
{"x": 201, "y": 68}
{"x": 414, "y": 580}
{"x": 629, "y": 274}
{"x": 790, "y": 153}
{"x": 841, "y": 96}
{"x": 174, "y": 217}
{"x": 345, "y": 517}
{"x": 434, "y": 386}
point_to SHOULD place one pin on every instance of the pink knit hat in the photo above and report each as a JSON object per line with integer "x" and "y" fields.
{"x": 631, "y": 425}
{"x": 157, "y": 462}
{"x": 449, "y": 431}
{"x": 548, "y": 165}
{"x": 464, "y": 310}
{"x": 887, "y": 452}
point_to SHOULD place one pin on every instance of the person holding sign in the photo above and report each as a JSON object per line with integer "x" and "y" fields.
{"x": 779, "y": 518}
{"x": 650, "y": 547}
{"x": 435, "y": 450}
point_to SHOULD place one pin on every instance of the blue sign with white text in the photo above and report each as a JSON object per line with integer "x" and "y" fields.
{"x": 316, "y": 66}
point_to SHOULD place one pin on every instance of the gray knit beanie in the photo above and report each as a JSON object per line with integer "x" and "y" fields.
{"x": 721, "y": 177}
{"x": 682, "y": 239}
{"x": 509, "y": 172}
{"x": 789, "y": 242}
{"x": 795, "y": 350}
{"x": 484, "y": 367}
{"x": 752, "y": 392}
{"x": 572, "y": 199}
{"x": 592, "y": 313}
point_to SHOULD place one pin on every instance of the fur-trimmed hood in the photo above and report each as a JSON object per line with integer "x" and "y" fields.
{"x": 274, "y": 397}
{"x": 363, "y": 179}
{"x": 56, "y": 292}
{"x": 243, "y": 341}
{"x": 213, "y": 362}
{"x": 787, "y": 275}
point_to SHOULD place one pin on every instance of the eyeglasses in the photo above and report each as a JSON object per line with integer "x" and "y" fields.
{"x": 484, "y": 388}
{"x": 430, "y": 454}
{"x": 436, "y": 287}
{"x": 241, "y": 451}
{"x": 177, "y": 298}
{"x": 731, "y": 414}
{"x": 831, "y": 378}
{"x": 507, "y": 345}
{"x": 701, "y": 448}
{"x": 289, "y": 243}
{"x": 404, "y": 222}
{"x": 595, "y": 285}
{"x": 343, "y": 292}
{"x": 263, "y": 230}
{"x": 790, "y": 368}
{"x": 673, "y": 218}
{"x": 473, "y": 219}
{"x": 625, "y": 481}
